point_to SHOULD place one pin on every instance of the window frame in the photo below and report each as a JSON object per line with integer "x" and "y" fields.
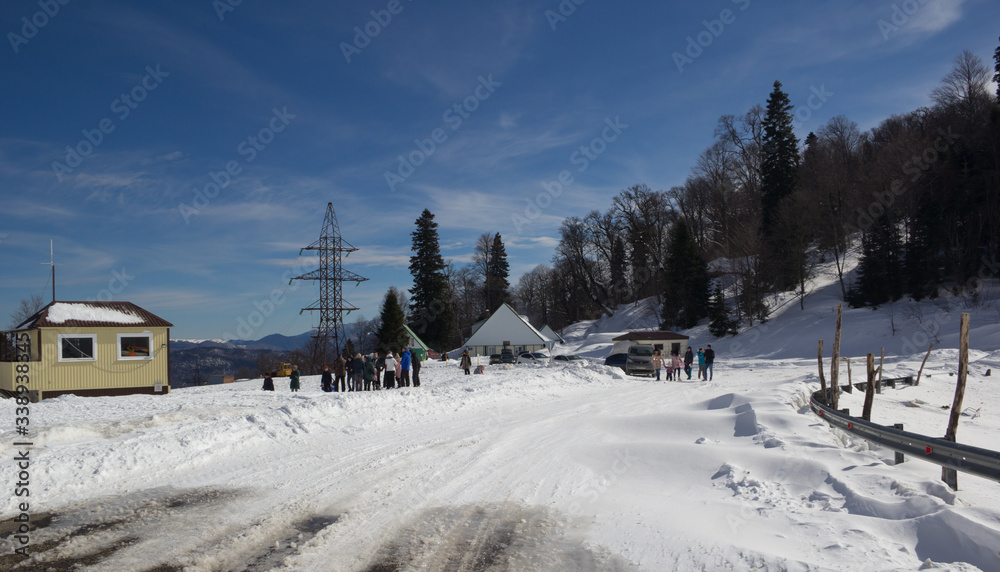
{"x": 93, "y": 342}
{"x": 118, "y": 346}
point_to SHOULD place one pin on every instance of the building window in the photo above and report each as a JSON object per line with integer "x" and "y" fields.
{"x": 77, "y": 347}
{"x": 135, "y": 346}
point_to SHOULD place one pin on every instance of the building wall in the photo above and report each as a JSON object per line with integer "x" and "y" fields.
{"x": 487, "y": 351}
{"x": 664, "y": 346}
{"x": 8, "y": 369}
{"x": 107, "y": 372}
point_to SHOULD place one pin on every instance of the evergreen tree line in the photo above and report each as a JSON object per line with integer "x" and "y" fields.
{"x": 921, "y": 190}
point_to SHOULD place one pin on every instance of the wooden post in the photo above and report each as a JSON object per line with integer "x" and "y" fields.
{"x": 822, "y": 380}
{"x": 881, "y": 359}
{"x": 835, "y": 365}
{"x": 849, "y": 382}
{"x": 922, "y": 364}
{"x": 866, "y": 413}
{"x": 900, "y": 458}
{"x": 950, "y": 476}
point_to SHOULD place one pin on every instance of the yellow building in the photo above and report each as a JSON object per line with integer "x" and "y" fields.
{"x": 88, "y": 349}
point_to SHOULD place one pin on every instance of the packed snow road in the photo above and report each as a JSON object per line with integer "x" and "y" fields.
{"x": 523, "y": 468}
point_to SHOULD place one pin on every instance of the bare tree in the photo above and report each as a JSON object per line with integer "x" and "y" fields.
{"x": 966, "y": 88}
{"x": 26, "y": 309}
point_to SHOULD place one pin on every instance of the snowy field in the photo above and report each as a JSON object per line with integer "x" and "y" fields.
{"x": 561, "y": 467}
{"x": 523, "y": 468}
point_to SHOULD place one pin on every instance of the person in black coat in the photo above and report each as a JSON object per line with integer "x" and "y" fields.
{"x": 709, "y": 360}
{"x": 357, "y": 372}
{"x": 268, "y": 383}
{"x": 326, "y": 381}
{"x": 688, "y": 361}
{"x": 416, "y": 370}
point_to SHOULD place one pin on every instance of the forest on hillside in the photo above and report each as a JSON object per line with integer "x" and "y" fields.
{"x": 918, "y": 194}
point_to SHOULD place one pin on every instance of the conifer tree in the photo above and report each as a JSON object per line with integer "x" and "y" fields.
{"x": 996, "y": 68}
{"x": 431, "y": 310}
{"x": 779, "y": 178}
{"x": 879, "y": 269}
{"x": 722, "y": 322}
{"x": 390, "y": 334}
{"x": 497, "y": 286}
{"x": 685, "y": 297}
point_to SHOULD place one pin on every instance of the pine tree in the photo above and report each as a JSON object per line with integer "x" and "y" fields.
{"x": 779, "y": 178}
{"x": 879, "y": 269}
{"x": 431, "y": 309}
{"x": 996, "y": 68}
{"x": 497, "y": 286}
{"x": 390, "y": 334}
{"x": 685, "y": 297}
{"x": 722, "y": 322}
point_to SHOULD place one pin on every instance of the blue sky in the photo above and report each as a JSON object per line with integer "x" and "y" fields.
{"x": 206, "y": 139}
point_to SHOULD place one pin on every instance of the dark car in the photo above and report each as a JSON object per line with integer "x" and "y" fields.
{"x": 507, "y": 356}
{"x": 616, "y": 360}
{"x": 494, "y": 359}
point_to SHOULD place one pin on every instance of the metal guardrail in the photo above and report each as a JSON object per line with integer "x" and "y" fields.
{"x": 966, "y": 458}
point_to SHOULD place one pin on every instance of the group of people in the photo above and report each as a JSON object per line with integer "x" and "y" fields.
{"x": 706, "y": 359}
{"x": 367, "y": 373}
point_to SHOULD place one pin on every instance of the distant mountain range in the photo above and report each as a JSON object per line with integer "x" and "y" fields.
{"x": 194, "y": 360}
{"x": 274, "y": 342}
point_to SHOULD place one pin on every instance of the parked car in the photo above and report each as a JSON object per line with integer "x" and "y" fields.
{"x": 507, "y": 356}
{"x": 568, "y": 358}
{"x": 494, "y": 359}
{"x": 640, "y": 360}
{"x": 532, "y": 357}
{"x": 616, "y": 360}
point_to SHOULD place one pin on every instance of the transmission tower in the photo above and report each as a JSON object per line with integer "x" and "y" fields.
{"x": 332, "y": 247}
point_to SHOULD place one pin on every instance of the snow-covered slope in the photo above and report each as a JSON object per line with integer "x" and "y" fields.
{"x": 903, "y": 328}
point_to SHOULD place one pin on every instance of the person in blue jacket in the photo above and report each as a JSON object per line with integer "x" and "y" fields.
{"x": 404, "y": 365}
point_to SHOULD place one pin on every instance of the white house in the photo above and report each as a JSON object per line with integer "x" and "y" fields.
{"x": 506, "y": 329}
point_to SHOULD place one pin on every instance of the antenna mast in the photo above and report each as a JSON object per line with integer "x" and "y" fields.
{"x": 52, "y": 263}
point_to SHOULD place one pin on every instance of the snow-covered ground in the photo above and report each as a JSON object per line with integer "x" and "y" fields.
{"x": 561, "y": 467}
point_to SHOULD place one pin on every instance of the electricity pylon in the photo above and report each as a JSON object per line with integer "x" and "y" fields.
{"x": 330, "y": 336}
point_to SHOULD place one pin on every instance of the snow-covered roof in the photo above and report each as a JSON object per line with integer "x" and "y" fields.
{"x": 92, "y": 314}
{"x": 649, "y": 335}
